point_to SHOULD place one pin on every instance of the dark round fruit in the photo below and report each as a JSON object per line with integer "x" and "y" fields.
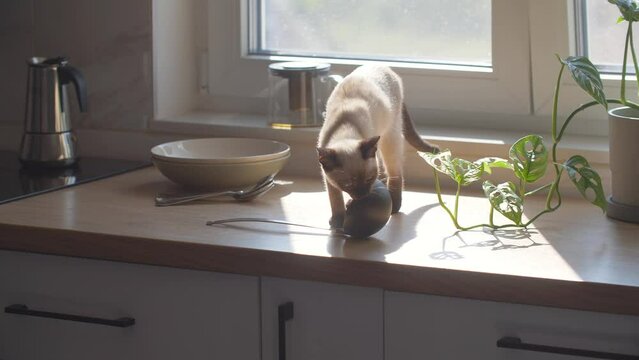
{"x": 366, "y": 216}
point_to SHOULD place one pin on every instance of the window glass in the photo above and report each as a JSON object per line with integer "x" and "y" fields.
{"x": 430, "y": 31}
{"x": 604, "y": 38}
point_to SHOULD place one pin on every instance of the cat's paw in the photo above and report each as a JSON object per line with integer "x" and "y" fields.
{"x": 396, "y": 197}
{"x": 396, "y": 208}
{"x": 337, "y": 221}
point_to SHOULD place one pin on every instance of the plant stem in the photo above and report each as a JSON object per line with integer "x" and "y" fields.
{"x": 532, "y": 192}
{"x": 546, "y": 211}
{"x": 522, "y": 195}
{"x": 556, "y": 102}
{"x": 555, "y": 139}
{"x": 554, "y": 189}
{"x": 438, "y": 190}
{"x": 457, "y": 200}
{"x": 491, "y": 215}
{"x": 623, "y": 64}
{"x": 634, "y": 62}
{"x": 580, "y": 109}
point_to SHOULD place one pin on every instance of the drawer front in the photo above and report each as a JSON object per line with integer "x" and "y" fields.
{"x": 178, "y": 314}
{"x": 319, "y": 321}
{"x": 451, "y": 328}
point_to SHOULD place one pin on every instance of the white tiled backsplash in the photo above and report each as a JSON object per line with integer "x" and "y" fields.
{"x": 109, "y": 41}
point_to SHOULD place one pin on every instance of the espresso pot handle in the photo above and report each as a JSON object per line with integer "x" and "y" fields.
{"x": 69, "y": 74}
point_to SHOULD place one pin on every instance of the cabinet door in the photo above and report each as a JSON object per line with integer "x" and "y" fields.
{"x": 328, "y": 321}
{"x": 451, "y": 328}
{"x": 179, "y": 314}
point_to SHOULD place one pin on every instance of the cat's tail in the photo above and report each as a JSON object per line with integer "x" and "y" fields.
{"x": 411, "y": 135}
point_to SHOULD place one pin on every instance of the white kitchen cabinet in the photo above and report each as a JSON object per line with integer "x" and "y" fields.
{"x": 434, "y": 327}
{"x": 328, "y": 321}
{"x": 179, "y": 314}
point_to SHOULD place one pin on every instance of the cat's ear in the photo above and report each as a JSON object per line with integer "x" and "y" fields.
{"x": 328, "y": 158}
{"x": 368, "y": 147}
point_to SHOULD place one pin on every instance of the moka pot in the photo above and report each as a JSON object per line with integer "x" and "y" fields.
{"x": 48, "y": 140}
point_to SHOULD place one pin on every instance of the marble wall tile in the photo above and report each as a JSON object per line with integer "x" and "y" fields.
{"x": 109, "y": 41}
{"x": 62, "y": 29}
{"x": 16, "y": 45}
{"x": 121, "y": 67}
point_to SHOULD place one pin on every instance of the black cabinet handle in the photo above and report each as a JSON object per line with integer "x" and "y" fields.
{"x": 24, "y": 310}
{"x": 285, "y": 312}
{"x": 510, "y": 342}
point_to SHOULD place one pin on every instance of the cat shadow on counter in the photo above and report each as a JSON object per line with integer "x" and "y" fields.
{"x": 399, "y": 230}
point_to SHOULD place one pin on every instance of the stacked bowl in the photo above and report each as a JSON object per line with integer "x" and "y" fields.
{"x": 214, "y": 164}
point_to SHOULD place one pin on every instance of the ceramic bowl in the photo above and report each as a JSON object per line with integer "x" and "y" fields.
{"x": 226, "y": 164}
{"x": 221, "y": 151}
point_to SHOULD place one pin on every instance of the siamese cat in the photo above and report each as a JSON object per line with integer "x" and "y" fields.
{"x": 364, "y": 113}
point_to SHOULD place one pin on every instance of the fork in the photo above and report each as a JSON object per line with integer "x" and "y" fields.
{"x": 259, "y": 189}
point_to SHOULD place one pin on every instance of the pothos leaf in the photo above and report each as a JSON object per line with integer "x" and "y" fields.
{"x": 587, "y": 77}
{"x": 488, "y": 163}
{"x": 441, "y": 162}
{"x": 505, "y": 200}
{"x": 467, "y": 172}
{"x": 627, "y": 8}
{"x": 529, "y": 157}
{"x": 462, "y": 171}
{"x": 587, "y": 180}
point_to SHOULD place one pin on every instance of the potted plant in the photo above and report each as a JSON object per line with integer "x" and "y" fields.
{"x": 623, "y": 125}
{"x": 529, "y": 157}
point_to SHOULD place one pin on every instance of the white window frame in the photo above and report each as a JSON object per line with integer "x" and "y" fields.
{"x": 210, "y": 48}
{"x": 237, "y": 77}
{"x": 553, "y": 31}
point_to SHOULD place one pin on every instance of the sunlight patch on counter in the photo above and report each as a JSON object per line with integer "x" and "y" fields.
{"x": 307, "y": 208}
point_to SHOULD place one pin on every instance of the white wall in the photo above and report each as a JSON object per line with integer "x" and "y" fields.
{"x": 174, "y": 57}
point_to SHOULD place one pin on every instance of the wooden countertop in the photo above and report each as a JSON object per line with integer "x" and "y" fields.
{"x": 575, "y": 258}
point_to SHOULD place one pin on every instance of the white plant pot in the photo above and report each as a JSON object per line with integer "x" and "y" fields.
{"x": 623, "y": 204}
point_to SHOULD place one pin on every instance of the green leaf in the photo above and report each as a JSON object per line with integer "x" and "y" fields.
{"x": 461, "y": 171}
{"x": 505, "y": 200}
{"x": 587, "y": 180}
{"x": 627, "y": 8}
{"x": 467, "y": 172}
{"x": 620, "y": 20}
{"x": 441, "y": 162}
{"x": 488, "y": 163}
{"x": 529, "y": 157}
{"x": 587, "y": 77}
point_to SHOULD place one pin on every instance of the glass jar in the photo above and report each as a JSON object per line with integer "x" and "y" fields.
{"x": 298, "y": 92}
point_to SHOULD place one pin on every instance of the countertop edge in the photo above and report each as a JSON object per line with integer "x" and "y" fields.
{"x": 575, "y": 295}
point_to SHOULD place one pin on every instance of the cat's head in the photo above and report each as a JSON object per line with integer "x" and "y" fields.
{"x": 351, "y": 166}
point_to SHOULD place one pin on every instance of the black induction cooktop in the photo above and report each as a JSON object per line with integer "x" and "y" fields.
{"x": 17, "y": 182}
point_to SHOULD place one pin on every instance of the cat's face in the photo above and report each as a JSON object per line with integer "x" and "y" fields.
{"x": 352, "y": 167}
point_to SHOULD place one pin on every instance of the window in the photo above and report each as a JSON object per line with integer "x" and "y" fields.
{"x": 599, "y": 36}
{"x": 427, "y": 31}
{"x": 494, "y": 80}
{"x": 505, "y": 81}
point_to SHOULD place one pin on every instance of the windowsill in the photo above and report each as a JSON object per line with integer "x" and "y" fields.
{"x": 465, "y": 69}
{"x": 465, "y": 142}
